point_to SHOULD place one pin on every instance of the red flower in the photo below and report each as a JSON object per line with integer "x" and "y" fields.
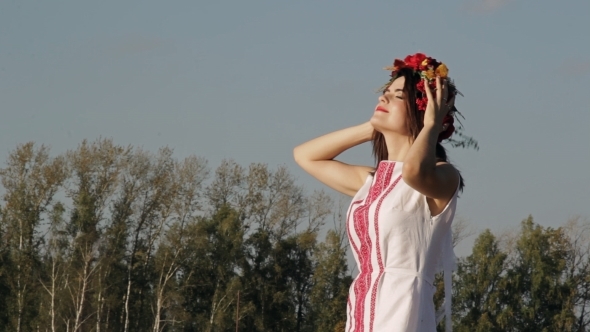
{"x": 420, "y": 86}
{"x": 398, "y": 64}
{"x": 415, "y": 60}
{"x": 421, "y": 103}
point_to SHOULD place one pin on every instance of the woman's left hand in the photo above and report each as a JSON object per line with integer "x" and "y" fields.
{"x": 438, "y": 106}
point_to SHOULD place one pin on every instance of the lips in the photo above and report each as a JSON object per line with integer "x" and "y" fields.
{"x": 381, "y": 109}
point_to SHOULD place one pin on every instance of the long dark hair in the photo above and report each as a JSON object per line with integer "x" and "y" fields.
{"x": 415, "y": 120}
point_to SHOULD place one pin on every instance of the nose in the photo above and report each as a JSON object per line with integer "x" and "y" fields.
{"x": 382, "y": 99}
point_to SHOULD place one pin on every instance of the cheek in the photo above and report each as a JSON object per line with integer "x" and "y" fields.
{"x": 398, "y": 117}
{"x": 399, "y": 110}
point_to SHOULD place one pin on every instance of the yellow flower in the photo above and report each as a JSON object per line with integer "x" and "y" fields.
{"x": 429, "y": 74}
{"x": 425, "y": 62}
{"x": 442, "y": 70}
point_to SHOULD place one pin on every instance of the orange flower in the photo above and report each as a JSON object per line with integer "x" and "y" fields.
{"x": 442, "y": 70}
{"x": 429, "y": 74}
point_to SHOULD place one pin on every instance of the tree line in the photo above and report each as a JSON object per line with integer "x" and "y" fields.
{"x": 112, "y": 238}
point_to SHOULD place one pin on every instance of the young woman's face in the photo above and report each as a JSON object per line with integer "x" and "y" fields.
{"x": 391, "y": 110}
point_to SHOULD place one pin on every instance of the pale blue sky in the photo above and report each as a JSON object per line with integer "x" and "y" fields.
{"x": 249, "y": 80}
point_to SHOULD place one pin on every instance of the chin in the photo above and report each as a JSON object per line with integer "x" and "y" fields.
{"x": 379, "y": 122}
{"x": 383, "y": 127}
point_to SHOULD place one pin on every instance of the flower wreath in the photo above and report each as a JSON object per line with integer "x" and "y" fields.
{"x": 429, "y": 68}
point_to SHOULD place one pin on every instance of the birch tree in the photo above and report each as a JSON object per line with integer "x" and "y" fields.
{"x": 95, "y": 171}
{"x": 30, "y": 180}
{"x": 189, "y": 176}
{"x": 152, "y": 181}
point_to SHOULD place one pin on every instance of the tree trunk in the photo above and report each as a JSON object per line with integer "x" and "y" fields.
{"x": 18, "y": 282}
{"x": 99, "y": 306}
{"x": 82, "y": 296}
{"x": 53, "y": 277}
{"x": 126, "y": 327}
{"x": 158, "y": 311}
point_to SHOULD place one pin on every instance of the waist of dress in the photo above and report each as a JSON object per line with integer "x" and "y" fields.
{"x": 408, "y": 272}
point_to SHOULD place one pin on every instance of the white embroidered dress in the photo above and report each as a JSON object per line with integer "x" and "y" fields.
{"x": 398, "y": 248}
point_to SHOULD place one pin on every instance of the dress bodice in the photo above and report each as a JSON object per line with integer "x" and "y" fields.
{"x": 396, "y": 241}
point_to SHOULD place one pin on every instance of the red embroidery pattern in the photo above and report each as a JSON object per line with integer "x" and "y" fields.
{"x": 361, "y": 225}
{"x": 350, "y": 223}
{"x": 363, "y": 281}
{"x": 379, "y": 259}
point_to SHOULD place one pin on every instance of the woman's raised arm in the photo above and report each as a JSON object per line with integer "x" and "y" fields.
{"x": 316, "y": 157}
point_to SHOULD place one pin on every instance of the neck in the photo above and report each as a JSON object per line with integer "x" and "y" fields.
{"x": 397, "y": 146}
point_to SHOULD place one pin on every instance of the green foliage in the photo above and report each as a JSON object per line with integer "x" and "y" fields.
{"x": 107, "y": 238}
{"x": 536, "y": 285}
{"x": 331, "y": 281}
{"x": 478, "y": 287}
{"x": 4, "y": 286}
{"x": 536, "y": 281}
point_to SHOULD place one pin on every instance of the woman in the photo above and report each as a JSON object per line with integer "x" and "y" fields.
{"x": 399, "y": 221}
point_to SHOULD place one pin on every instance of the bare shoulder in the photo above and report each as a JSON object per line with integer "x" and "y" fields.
{"x": 447, "y": 182}
{"x": 448, "y": 177}
{"x": 439, "y": 183}
{"x": 447, "y": 169}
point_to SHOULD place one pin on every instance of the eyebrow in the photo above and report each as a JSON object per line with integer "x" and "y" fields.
{"x": 396, "y": 90}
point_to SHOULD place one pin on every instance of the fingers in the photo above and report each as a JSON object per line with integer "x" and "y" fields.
{"x": 441, "y": 89}
{"x": 439, "y": 92}
{"x": 428, "y": 91}
{"x": 445, "y": 91}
